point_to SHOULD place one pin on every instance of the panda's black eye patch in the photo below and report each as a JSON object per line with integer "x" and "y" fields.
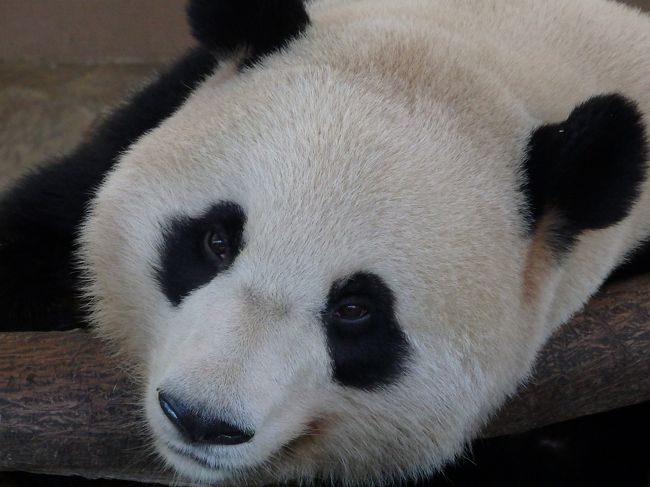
{"x": 366, "y": 344}
{"x": 195, "y": 250}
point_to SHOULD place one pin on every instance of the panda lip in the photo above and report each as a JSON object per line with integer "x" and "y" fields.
{"x": 198, "y": 459}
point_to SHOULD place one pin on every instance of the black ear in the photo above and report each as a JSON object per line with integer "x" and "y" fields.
{"x": 259, "y": 25}
{"x": 587, "y": 171}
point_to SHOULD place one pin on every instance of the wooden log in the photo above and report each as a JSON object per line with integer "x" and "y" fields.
{"x": 598, "y": 361}
{"x": 65, "y": 408}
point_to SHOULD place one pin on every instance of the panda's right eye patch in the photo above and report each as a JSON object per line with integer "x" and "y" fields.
{"x": 366, "y": 343}
{"x": 195, "y": 250}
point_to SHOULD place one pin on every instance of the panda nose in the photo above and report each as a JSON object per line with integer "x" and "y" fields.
{"x": 198, "y": 428}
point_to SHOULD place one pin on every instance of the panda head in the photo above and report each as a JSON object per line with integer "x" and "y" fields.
{"x": 315, "y": 273}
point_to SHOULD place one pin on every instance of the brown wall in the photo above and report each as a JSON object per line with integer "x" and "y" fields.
{"x": 92, "y": 30}
{"x": 100, "y": 30}
{"x": 644, "y": 4}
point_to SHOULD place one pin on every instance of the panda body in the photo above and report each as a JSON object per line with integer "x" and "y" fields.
{"x": 465, "y": 173}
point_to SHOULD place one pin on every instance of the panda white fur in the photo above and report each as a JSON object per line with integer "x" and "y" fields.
{"x": 341, "y": 253}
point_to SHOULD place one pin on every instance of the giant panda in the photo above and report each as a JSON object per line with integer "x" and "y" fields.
{"x": 330, "y": 241}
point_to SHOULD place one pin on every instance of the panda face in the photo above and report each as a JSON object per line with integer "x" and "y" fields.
{"x": 303, "y": 272}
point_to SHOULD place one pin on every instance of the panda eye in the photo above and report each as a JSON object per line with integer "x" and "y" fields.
{"x": 351, "y": 312}
{"x": 351, "y": 316}
{"x": 218, "y": 246}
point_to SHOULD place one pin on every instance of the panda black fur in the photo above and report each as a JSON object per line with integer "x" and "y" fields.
{"x": 40, "y": 216}
{"x": 333, "y": 238}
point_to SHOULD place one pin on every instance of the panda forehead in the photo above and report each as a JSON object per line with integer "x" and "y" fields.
{"x": 271, "y": 138}
{"x": 310, "y": 152}
{"x": 309, "y": 136}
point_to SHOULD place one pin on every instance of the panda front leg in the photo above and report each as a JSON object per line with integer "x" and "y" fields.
{"x": 41, "y": 214}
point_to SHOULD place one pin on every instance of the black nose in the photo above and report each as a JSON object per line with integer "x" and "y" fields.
{"x": 199, "y": 428}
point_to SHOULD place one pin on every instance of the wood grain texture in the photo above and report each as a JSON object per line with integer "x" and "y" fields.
{"x": 597, "y": 362}
{"x": 65, "y": 408}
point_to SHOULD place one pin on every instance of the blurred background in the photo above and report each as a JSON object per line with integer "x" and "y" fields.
{"x": 65, "y": 63}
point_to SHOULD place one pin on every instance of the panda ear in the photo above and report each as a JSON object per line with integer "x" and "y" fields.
{"x": 586, "y": 173}
{"x": 261, "y": 26}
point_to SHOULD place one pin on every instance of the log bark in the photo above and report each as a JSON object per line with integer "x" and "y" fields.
{"x": 65, "y": 407}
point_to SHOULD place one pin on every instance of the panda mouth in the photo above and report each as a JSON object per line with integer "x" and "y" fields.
{"x": 199, "y": 459}
{"x": 202, "y": 458}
